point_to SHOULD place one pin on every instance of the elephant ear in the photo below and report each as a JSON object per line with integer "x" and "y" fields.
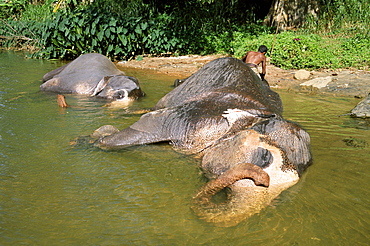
{"x": 101, "y": 85}
{"x": 291, "y": 139}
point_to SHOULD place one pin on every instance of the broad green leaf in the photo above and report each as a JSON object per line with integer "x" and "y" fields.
{"x": 113, "y": 22}
{"x": 107, "y": 33}
{"x": 110, "y": 48}
{"x": 61, "y": 27}
{"x": 79, "y": 46}
{"x": 144, "y": 25}
{"x": 123, "y": 40}
{"x": 81, "y": 22}
{"x": 79, "y": 30}
{"x": 138, "y": 30}
{"x": 117, "y": 50}
{"x": 96, "y": 21}
{"x": 100, "y": 35}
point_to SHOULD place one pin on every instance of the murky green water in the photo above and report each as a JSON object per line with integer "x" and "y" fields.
{"x": 55, "y": 194}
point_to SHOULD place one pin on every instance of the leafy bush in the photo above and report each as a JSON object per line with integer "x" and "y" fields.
{"x": 302, "y": 51}
{"x": 292, "y": 50}
{"x": 37, "y": 12}
{"x": 230, "y": 39}
{"x": 244, "y": 42}
{"x": 115, "y": 34}
{"x": 342, "y": 17}
{"x": 11, "y": 8}
{"x": 125, "y": 29}
{"x": 355, "y": 51}
{"x": 84, "y": 31}
{"x": 20, "y": 34}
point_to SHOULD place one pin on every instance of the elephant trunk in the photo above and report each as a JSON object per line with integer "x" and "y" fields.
{"x": 238, "y": 172}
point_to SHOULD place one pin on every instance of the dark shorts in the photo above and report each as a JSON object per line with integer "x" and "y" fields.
{"x": 251, "y": 65}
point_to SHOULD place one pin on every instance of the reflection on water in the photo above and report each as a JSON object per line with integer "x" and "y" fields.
{"x": 54, "y": 194}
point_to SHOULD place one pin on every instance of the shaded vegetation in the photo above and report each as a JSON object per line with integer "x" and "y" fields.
{"x": 121, "y": 29}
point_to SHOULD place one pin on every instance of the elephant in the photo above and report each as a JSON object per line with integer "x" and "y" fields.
{"x": 230, "y": 120}
{"x": 95, "y": 75}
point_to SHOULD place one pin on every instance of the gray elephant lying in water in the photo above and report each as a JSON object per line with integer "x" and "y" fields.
{"x": 92, "y": 74}
{"x": 225, "y": 115}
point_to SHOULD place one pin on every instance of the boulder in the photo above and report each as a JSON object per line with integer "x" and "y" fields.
{"x": 302, "y": 74}
{"x": 362, "y": 110}
{"x": 320, "y": 82}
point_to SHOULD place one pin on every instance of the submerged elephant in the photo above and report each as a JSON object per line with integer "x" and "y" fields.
{"x": 92, "y": 74}
{"x": 225, "y": 115}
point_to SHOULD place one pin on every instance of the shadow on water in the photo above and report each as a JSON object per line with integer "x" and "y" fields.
{"x": 54, "y": 193}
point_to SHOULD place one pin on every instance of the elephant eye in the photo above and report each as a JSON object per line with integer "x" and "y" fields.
{"x": 261, "y": 157}
{"x": 120, "y": 94}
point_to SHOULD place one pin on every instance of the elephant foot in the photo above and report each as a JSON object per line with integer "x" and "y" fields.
{"x": 238, "y": 172}
{"x": 89, "y": 140}
{"x": 104, "y": 131}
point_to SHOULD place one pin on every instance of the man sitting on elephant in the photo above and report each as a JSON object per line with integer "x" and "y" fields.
{"x": 253, "y": 59}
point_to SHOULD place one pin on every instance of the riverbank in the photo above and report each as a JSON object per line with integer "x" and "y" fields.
{"x": 343, "y": 82}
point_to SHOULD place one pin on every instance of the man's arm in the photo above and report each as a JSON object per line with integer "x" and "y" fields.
{"x": 263, "y": 67}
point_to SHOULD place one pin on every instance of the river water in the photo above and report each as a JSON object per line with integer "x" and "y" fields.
{"x": 53, "y": 193}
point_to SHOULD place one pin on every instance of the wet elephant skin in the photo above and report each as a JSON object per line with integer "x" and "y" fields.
{"x": 229, "y": 119}
{"x": 92, "y": 74}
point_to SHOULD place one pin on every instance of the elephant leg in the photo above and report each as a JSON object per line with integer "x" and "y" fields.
{"x": 238, "y": 172}
{"x": 128, "y": 137}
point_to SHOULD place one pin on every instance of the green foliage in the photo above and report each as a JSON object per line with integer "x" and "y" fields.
{"x": 11, "y": 8}
{"x": 222, "y": 42}
{"x": 292, "y": 50}
{"x": 355, "y": 51}
{"x": 353, "y": 16}
{"x": 71, "y": 34}
{"x": 302, "y": 51}
{"x": 37, "y": 12}
{"x": 20, "y": 34}
{"x": 128, "y": 29}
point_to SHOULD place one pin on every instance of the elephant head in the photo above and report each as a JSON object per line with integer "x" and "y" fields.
{"x": 265, "y": 160}
{"x": 118, "y": 87}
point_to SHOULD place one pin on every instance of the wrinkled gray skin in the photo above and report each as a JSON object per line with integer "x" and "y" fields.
{"x": 362, "y": 109}
{"x": 92, "y": 74}
{"x": 228, "y": 117}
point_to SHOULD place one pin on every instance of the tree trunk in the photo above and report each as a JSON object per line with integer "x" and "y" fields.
{"x": 288, "y": 14}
